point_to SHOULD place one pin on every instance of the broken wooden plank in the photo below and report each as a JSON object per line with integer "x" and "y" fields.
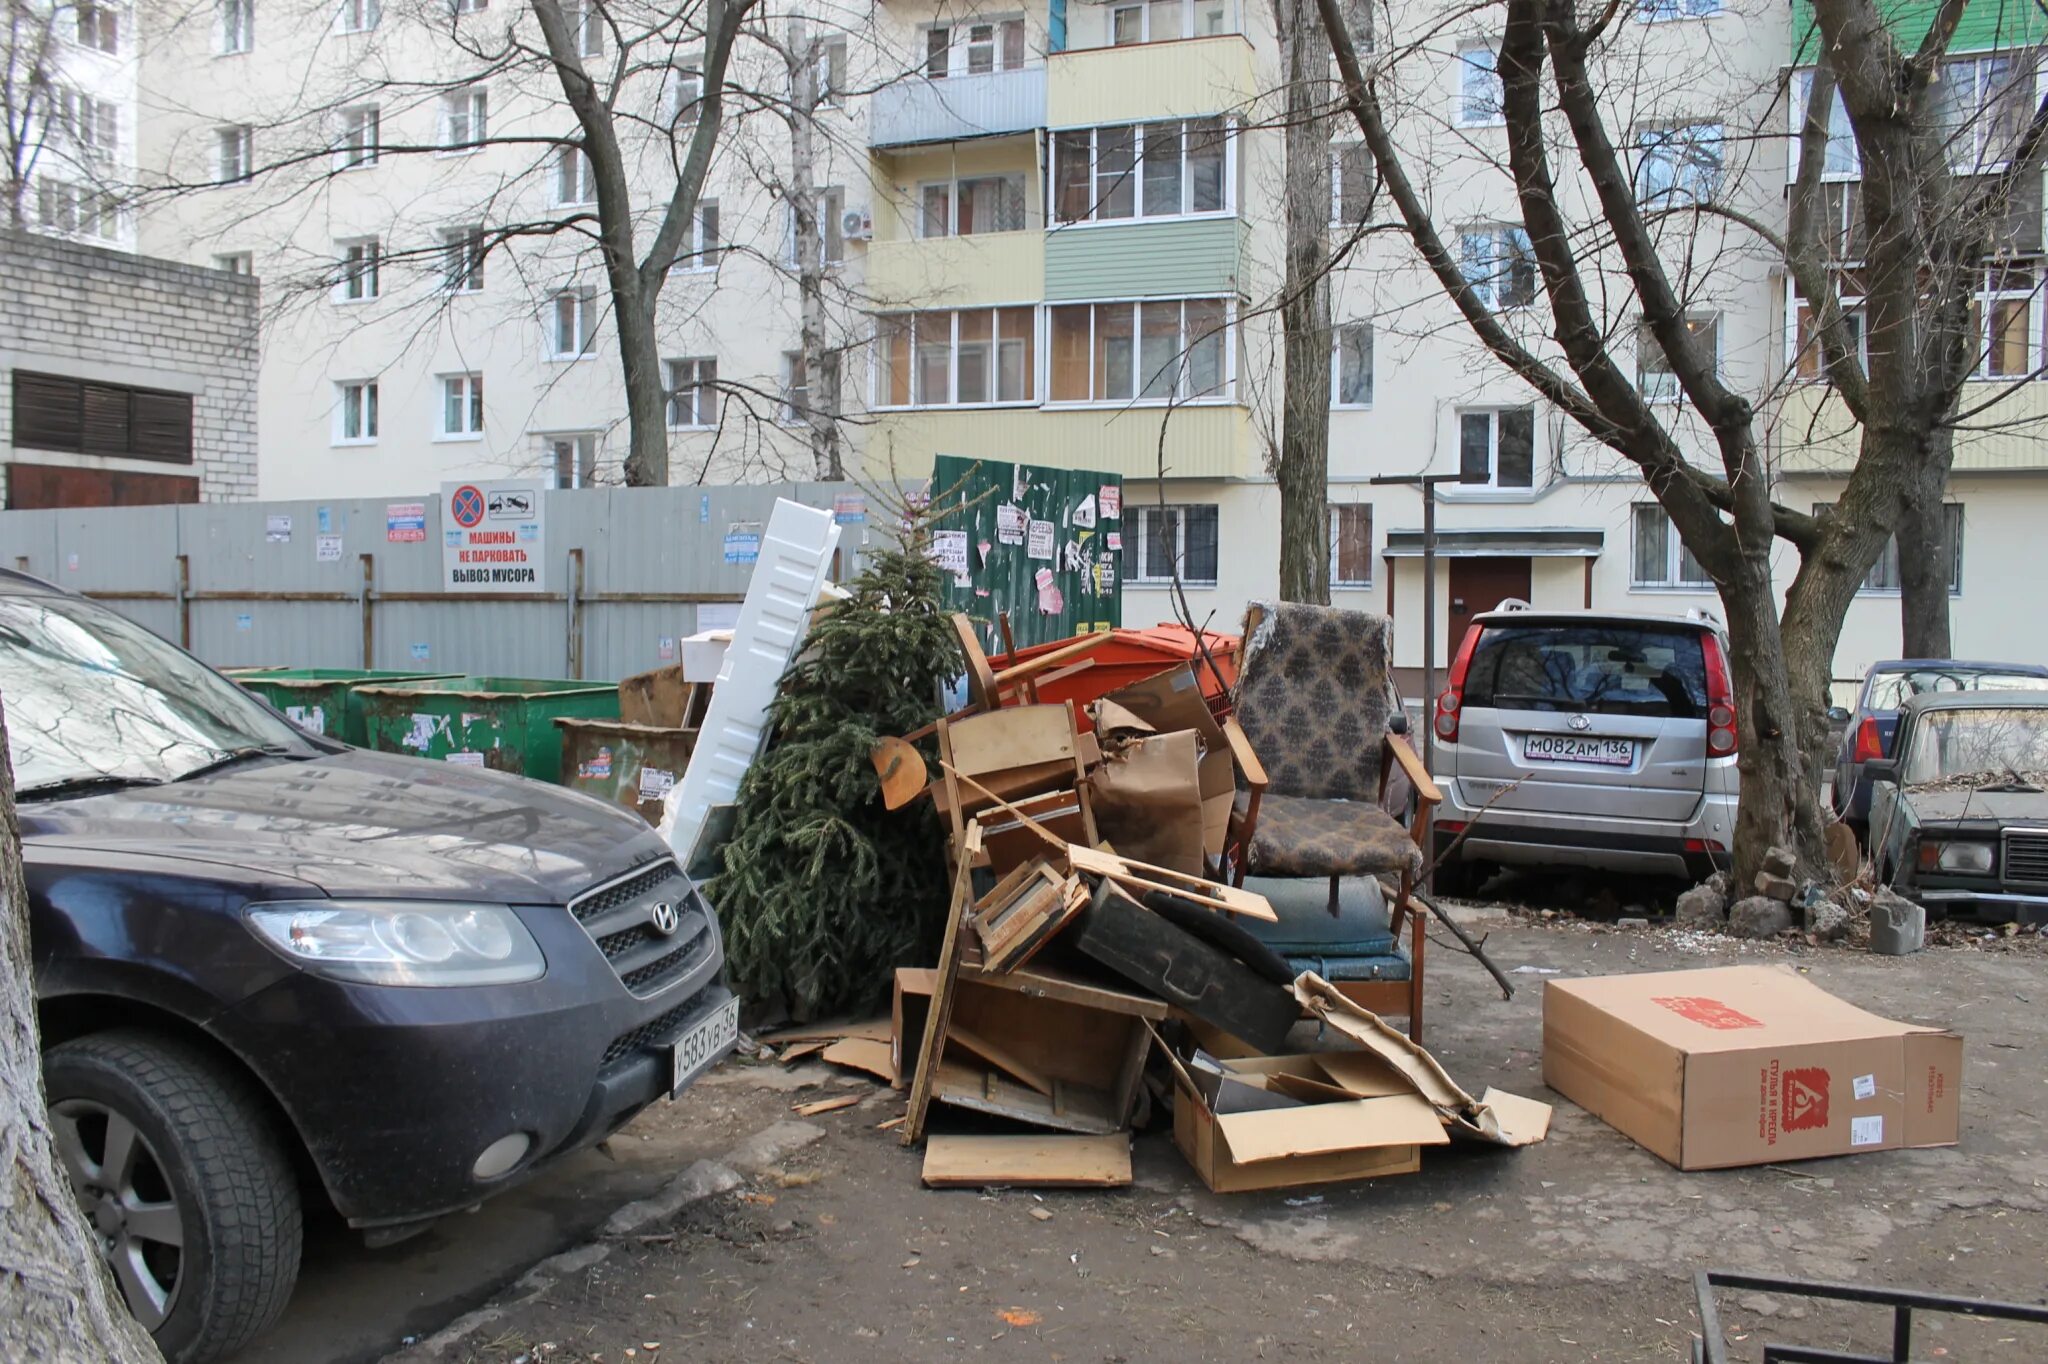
{"x": 797, "y": 1051}
{"x": 997, "y": 1053}
{"x": 1045, "y": 982}
{"x": 862, "y": 1053}
{"x": 940, "y": 1012}
{"x": 814, "y": 1108}
{"x": 1088, "y": 1162}
{"x": 1069, "y": 1108}
{"x": 1142, "y": 876}
{"x": 876, "y": 1028}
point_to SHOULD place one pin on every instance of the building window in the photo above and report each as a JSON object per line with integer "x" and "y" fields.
{"x": 355, "y": 416}
{"x": 2002, "y": 315}
{"x": 575, "y": 178}
{"x": 1163, "y": 21}
{"x": 685, "y": 91}
{"x": 1164, "y": 350}
{"x": 76, "y": 210}
{"x": 359, "y": 16}
{"x": 358, "y": 280}
{"x": 1497, "y": 447}
{"x": 1983, "y": 107}
{"x": 1803, "y": 338}
{"x": 56, "y": 412}
{"x": 829, "y": 72}
{"x": 1351, "y": 365}
{"x": 1843, "y": 161}
{"x": 1352, "y": 181}
{"x": 469, "y": 6}
{"x": 572, "y": 324}
{"x": 1884, "y": 574}
{"x": 970, "y": 205}
{"x": 700, "y": 248}
{"x": 1658, "y": 557}
{"x": 973, "y": 49}
{"x": 1143, "y": 170}
{"x": 796, "y": 389}
{"x": 465, "y": 119}
{"x": 234, "y": 153}
{"x": 237, "y": 26}
{"x": 1498, "y": 263}
{"x": 236, "y": 263}
{"x": 572, "y": 460}
{"x": 462, "y": 259}
{"x": 1654, "y": 375}
{"x": 1183, "y": 537}
{"x": 1479, "y": 93}
{"x": 99, "y": 27}
{"x": 693, "y": 392}
{"x": 586, "y": 26}
{"x": 357, "y": 146}
{"x": 1678, "y": 164}
{"x": 830, "y": 228}
{"x": 1351, "y": 545}
{"x": 94, "y": 125}
{"x": 462, "y": 406}
{"x": 1653, "y": 11}
{"x": 967, "y": 358}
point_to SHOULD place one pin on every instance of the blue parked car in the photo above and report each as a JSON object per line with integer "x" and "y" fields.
{"x": 1875, "y": 722}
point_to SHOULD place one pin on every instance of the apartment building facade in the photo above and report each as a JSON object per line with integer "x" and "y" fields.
{"x": 71, "y": 103}
{"x": 1051, "y": 233}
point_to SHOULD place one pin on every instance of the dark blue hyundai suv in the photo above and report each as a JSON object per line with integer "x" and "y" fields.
{"x": 259, "y": 953}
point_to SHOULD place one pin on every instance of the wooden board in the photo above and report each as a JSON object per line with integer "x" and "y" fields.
{"x": 1142, "y": 876}
{"x": 940, "y": 1012}
{"x": 1022, "y": 736}
{"x": 862, "y": 1053}
{"x": 1049, "y": 983}
{"x": 1097, "y": 1162}
{"x": 811, "y": 1110}
{"x": 875, "y": 1029}
{"x": 1069, "y": 1108}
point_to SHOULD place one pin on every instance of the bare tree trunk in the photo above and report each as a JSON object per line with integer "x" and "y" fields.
{"x": 646, "y": 388}
{"x": 821, "y": 360}
{"x": 1925, "y": 556}
{"x": 56, "y": 1299}
{"x": 1303, "y": 467}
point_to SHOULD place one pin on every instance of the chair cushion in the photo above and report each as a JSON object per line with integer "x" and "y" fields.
{"x": 1306, "y": 928}
{"x": 1296, "y": 836}
{"x": 1393, "y": 966}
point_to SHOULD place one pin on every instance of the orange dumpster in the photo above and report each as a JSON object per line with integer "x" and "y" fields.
{"x": 1133, "y": 656}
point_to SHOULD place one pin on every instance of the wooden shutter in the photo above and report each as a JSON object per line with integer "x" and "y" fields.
{"x": 161, "y": 426}
{"x": 106, "y": 419}
{"x": 47, "y": 412}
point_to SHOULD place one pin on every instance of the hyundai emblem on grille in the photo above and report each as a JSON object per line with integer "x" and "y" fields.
{"x": 663, "y": 919}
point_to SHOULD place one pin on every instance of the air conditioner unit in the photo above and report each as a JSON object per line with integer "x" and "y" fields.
{"x": 856, "y": 225}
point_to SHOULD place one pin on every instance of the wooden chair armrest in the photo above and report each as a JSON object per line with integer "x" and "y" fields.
{"x": 1418, "y": 776}
{"x": 1241, "y": 749}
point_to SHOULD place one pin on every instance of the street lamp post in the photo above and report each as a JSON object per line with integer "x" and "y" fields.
{"x": 1428, "y": 484}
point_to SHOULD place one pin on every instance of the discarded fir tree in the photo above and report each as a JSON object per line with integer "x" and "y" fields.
{"x": 823, "y": 891}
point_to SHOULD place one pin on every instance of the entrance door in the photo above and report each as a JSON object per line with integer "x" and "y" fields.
{"x": 1480, "y": 584}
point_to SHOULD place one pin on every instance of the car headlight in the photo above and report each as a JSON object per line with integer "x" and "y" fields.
{"x": 1963, "y": 857}
{"x": 401, "y": 942}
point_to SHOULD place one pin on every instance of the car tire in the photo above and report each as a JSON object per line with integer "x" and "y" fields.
{"x": 206, "y": 1147}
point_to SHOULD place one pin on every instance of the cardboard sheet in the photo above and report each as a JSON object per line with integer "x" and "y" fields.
{"x": 1035, "y": 1161}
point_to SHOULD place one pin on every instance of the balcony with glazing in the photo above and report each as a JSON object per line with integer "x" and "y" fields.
{"x": 974, "y": 80}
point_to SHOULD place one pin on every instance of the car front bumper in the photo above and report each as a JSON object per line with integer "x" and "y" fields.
{"x": 1988, "y": 906}
{"x": 396, "y": 1092}
{"x": 1694, "y": 848}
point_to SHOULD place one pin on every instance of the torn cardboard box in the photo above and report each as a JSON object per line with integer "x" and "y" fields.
{"x": 1170, "y": 702}
{"x": 1147, "y": 795}
{"x": 1743, "y": 1065}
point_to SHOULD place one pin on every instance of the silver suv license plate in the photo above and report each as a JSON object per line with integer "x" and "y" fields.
{"x": 1564, "y": 748}
{"x": 696, "y": 1049}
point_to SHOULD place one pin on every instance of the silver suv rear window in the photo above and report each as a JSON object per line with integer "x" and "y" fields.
{"x": 1614, "y": 669}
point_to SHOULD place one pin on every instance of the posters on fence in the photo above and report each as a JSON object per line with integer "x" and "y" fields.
{"x": 405, "y": 523}
{"x": 493, "y": 537}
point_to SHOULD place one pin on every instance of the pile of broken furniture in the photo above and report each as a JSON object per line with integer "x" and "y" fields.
{"x": 1164, "y": 871}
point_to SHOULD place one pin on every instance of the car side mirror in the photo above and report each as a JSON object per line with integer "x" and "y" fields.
{"x": 1838, "y": 715}
{"x": 1881, "y": 769}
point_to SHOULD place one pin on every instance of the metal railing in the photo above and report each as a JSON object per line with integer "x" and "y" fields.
{"x": 1712, "y": 1347}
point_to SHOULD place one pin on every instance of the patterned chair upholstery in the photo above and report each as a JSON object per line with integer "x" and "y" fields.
{"x": 1314, "y": 698}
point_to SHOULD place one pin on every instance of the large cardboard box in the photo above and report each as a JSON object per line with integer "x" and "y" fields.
{"x": 1744, "y": 1065}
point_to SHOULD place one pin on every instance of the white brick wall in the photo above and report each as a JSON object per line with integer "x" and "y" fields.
{"x": 75, "y": 309}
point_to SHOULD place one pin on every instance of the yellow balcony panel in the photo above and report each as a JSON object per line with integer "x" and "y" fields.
{"x": 1184, "y": 79}
{"x": 955, "y": 272}
{"x": 1816, "y": 434}
{"x": 1201, "y": 442}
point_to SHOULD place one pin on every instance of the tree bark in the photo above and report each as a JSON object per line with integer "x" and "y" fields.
{"x": 821, "y": 361}
{"x": 1924, "y": 558}
{"x": 57, "y": 1301}
{"x": 1302, "y": 470}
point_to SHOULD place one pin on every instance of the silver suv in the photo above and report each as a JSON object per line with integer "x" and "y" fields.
{"x": 1586, "y": 739}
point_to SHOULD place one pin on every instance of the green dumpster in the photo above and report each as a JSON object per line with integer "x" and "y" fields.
{"x": 505, "y": 723}
{"x": 632, "y": 766}
{"x": 323, "y": 700}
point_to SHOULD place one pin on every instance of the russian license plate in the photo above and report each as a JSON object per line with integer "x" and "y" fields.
{"x": 703, "y": 1044}
{"x": 1567, "y": 748}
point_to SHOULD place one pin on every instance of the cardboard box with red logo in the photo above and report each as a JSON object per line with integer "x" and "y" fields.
{"x": 1747, "y": 1065}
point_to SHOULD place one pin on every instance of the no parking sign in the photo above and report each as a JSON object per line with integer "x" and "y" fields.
{"x": 493, "y": 538}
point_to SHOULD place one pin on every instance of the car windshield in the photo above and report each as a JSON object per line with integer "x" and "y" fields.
{"x": 1601, "y": 669}
{"x": 1892, "y": 690}
{"x": 91, "y": 694}
{"x": 1992, "y": 743}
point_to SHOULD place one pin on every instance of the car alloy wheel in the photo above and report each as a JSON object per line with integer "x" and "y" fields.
{"x": 127, "y": 1198}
